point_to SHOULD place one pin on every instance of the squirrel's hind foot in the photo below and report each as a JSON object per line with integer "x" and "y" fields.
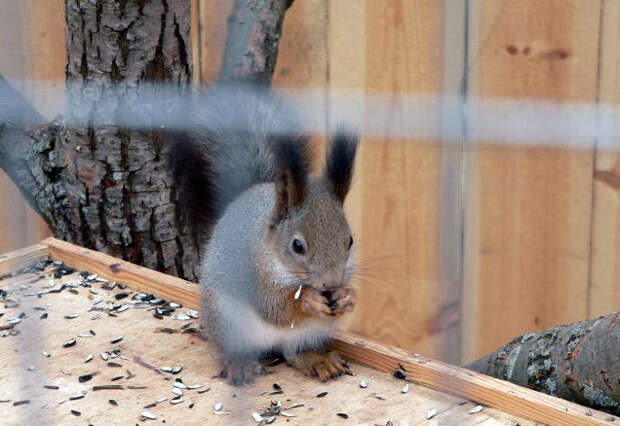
{"x": 324, "y": 366}
{"x": 241, "y": 373}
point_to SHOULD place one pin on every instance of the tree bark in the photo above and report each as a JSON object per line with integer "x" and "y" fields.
{"x": 579, "y": 362}
{"x": 103, "y": 185}
{"x": 252, "y": 52}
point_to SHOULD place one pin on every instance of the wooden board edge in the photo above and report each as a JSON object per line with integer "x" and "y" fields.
{"x": 136, "y": 277}
{"x": 500, "y": 394}
{"x": 506, "y": 396}
{"x": 17, "y": 259}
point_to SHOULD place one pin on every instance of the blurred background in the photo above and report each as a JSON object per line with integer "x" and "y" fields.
{"x": 468, "y": 241}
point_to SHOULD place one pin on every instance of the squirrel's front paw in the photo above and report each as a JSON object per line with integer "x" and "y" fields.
{"x": 315, "y": 304}
{"x": 341, "y": 300}
{"x": 240, "y": 373}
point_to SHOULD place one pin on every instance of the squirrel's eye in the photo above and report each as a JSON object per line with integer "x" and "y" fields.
{"x": 298, "y": 246}
{"x": 350, "y": 242}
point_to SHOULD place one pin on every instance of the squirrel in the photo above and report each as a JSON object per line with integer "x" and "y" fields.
{"x": 277, "y": 262}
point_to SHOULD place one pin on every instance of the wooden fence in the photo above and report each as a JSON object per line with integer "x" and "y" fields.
{"x": 531, "y": 238}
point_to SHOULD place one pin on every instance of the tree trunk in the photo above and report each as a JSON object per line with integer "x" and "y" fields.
{"x": 101, "y": 185}
{"x": 579, "y": 362}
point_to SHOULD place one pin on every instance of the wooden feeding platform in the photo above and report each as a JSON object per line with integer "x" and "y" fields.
{"x": 76, "y": 348}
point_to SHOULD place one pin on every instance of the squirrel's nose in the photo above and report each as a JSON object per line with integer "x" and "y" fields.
{"x": 331, "y": 280}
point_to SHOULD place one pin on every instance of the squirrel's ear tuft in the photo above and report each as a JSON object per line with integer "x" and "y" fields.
{"x": 339, "y": 162}
{"x": 294, "y": 160}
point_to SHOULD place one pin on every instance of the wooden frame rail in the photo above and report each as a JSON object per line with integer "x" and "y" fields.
{"x": 434, "y": 374}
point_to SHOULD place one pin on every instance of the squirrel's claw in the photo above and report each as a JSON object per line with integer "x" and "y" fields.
{"x": 342, "y": 300}
{"x": 323, "y": 366}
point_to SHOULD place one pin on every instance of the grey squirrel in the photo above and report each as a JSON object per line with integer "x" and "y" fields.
{"x": 276, "y": 266}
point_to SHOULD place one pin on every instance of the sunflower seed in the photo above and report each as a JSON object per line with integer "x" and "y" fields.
{"x": 113, "y": 402}
{"x": 122, "y": 308}
{"x": 343, "y": 415}
{"x": 108, "y": 387}
{"x": 203, "y": 390}
{"x": 270, "y": 420}
{"x": 85, "y": 378}
{"x": 77, "y": 396}
{"x": 72, "y": 316}
{"x": 321, "y": 395}
{"x": 46, "y": 354}
{"x": 85, "y": 335}
{"x": 115, "y": 378}
{"x": 88, "y": 358}
{"x": 52, "y": 387}
{"x": 432, "y": 413}
{"x": 148, "y": 415}
{"x": 176, "y": 400}
{"x": 194, "y": 386}
{"x": 257, "y": 417}
{"x": 92, "y": 277}
{"x": 44, "y": 316}
{"x": 182, "y": 317}
{"x": 174, "y": 305}
{"x": 363, "y": 384}
{"x": 114, "y": 364}
{"x": 77, "y": 413}
{"x": 179, "y": 385}
{"x": 177, "y": 370}
{"x": 30, "y": 368}
{"x": 22, "y": 402}
{"x": 116, "y": 339}
{"x": 285, "y": 414}
{"x": 160, "y": 400}
{"x": 298, "y": 292}
{"x": 295, "y": 405}
{"x": 476, "y": 409}
{"x": 177, "y": 391}
{"x": 192, "y": 313}
{"x": 69, "y": 343}
{"x": 14, "y": 321}
{"x": 217, "y": 406}
{"x": 405, "y": 388}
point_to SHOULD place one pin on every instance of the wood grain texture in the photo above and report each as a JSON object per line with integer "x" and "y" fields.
{"x": 604, "y": 291}
{"x": 15, "y": 260}
{"x": 527, "y": 225}
{"x": 32, "y": 59}
{"x": 400, "y": 300}
{"x": 421, "y": 370}
{"x": 145, "y": 349}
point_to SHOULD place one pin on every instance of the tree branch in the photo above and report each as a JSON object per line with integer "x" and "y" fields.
{"x": 25, "y": 138}
{"x": 579, "y": 362}
{"x": 254, "y": 30}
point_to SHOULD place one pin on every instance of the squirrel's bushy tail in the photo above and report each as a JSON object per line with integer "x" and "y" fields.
{"x": 240, "y": 136}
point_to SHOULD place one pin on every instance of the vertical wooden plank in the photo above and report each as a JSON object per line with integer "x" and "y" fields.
{"x": 527, "y": 233}
{"x": 400, "y": 298}
{"x": 196, "y": 35}
{"x": 604, "y": 292}
{"x": 213, "y": 17}
{"x": 32, "y": 58}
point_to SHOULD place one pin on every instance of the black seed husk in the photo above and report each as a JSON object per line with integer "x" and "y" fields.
{"x": 76, "y": 413}
{"x": 112, "y": 402}
{"x": 22, "y": 402}
{"x": 107, "y": 387}
{"x": 85, "y": 378}
{"x": 343, "y": 415}
{"x": 114, "y": 364}
{"x": 321, "y": 395}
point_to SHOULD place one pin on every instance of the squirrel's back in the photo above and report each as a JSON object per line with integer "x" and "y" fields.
{"x": 236, "y": 133}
